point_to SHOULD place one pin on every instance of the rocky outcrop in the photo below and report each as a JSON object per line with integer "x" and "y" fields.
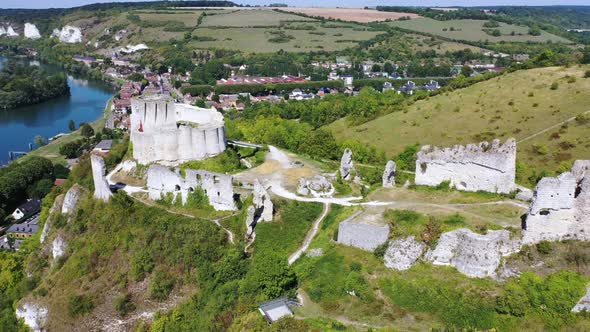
{"x": 218, "y": 187}
{"x": 71, "y": 199}
{"x": 402, "y": 253}
{"x": 485, "y": 166}
{"x": 58, "y": 247}
{"x": 473, "y": 254}
{"x": 389, "y": 174}
{"x": 133, "y": 48}
{"x": 101, "y": 186}
{"x": 68, "y": 34}
{"x": 262, "y": 202}
{"x": 57, "y": 205}
{"x": 6, "y": 29}
{"x": 560, "y": 207}
{"x": 362, "y": 235}
{"x": 167, "y": 132}
{"x": 31, "y": 31}
{"x": 34, "y": 315}
{"x": 584, "y": 303}
{"x": 347, "y": 171}
{"x": 318, "y": 186}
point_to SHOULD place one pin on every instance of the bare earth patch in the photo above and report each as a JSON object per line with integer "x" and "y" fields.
{"x": 350, "y": 14}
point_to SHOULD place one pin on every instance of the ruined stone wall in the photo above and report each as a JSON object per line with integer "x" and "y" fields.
{"x": 560, "y": 208}
{"x": 361, "y": 235}
{"x": 218, "y": 187}
{"x": 163, "y": 131}
{"x": 101, "y": 186}
{"x": 474, "y": 167}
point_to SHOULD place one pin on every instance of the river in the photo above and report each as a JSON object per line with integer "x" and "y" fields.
{"x": 19, "y": 126}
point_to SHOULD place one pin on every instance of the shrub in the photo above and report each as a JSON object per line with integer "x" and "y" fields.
{"x": 554, "y": 86}
{"x": 544, "y": 247}
{"x": 540, "y": 149}
{"x": 379, "y": 252}
{"x": 583, "y": 119}
{"x": 123, "y": 304}
{"x": 431, "y": 232}
{"x": 587, "y": 74}
{"x": 160, "y": 286}
{"x": 79, "y": 305}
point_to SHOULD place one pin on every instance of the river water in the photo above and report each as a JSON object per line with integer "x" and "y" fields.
{"x": 19, "y": 126}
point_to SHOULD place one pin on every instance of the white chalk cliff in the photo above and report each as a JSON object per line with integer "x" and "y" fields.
{"x": 485, "y": 166}
{"x": 6, "y": 29}
{"x": 31, "y": 31}
{"x": 34, "y": 315}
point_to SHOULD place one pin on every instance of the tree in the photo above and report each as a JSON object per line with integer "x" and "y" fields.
{"x": 41, "y": 188}
{"x": 388, "y": 67}
{"x": 269, "y": 277}
{"x": 376, "y": 68}
{"x": 466, "y": 71}
{"x": 72, "y": 125}
{"x": 71, "y": 149}
{"x": 87, "y": 130}
{"x": 40, "y": 140}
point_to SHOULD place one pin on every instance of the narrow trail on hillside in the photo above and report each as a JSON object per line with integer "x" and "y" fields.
{"x": 310, "y": 235}
{"x": 551, "y": 127}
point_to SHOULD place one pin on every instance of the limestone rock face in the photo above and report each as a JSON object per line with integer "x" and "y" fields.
{"x": 6, "y": 29}
{"x": 560, "y": 207}
{"x": 584, "y": 303}
{"x": 262, "y": 202}
{"x": 389, "y": 174}
{"x": 362, "y": 235}
{"x": 34, "y": 315}
{"x": 402, "y": 253}
{"x": 485, "y": 166}
{"x": 31, "y": 31}
{"x": 59, "y": 246}
{"x": 71, "y": 199}
{"x": 347, "y": 165}
{"x": 101, "y": 186}
{"x": 68, "y": 34}
{"x": 171, "y": 133}
{"x": 218, "y": 187}
{"x": 473, "y": 254}
{"x": 47, "y": 226}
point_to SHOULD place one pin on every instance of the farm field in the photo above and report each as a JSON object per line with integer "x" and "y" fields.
{"x": 471, "y": 30}
{"x": 349, "y": 14}
{"x": 188, "y": 18}
{"x": 423, "y": 43}
{"x": 256, "y": 40}
{"x": 250, "y": 18}
{"x": 516, "y": 105}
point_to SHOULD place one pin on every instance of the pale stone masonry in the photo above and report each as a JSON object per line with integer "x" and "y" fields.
{"x": 101, "y": 186}
{"x": 167, "y": 132}
{"x": 560, "y": 208}
{"x": 162, "y": 180}
{"x": 362, "y": 235}
{"x": 474, "y": 167}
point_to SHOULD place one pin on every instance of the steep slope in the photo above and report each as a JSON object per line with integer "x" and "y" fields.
{"x": 519, "y": 105}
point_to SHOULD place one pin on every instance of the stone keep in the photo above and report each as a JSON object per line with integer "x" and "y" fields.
{"x": 218, "y": 187}
{"x": 560, "y": 208}
{"x": 101, "y": 186}
{"x": 486, "y": 167}
{"x": 167, "y": 132}
{"x": 389, "y": 174}
{"x": 473, "y": 254}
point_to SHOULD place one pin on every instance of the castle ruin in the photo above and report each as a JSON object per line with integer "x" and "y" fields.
{"x": 168, "y": 132}
{"x": 474, "y": 167}
{"x": 560, "y": 207}
{"x": 162, "y": 181}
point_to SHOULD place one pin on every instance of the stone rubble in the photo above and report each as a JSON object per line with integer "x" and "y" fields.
{"x": 101, "y": 186}
{"x": 389, "y": 174}
{"x": 34, "y": 315}
{"x": 473, "y": 254}
{"x": 402, "y": 253}
{"x": 485, "y": 166}
{"x": 218, "y": 187}
{"x": 318, "y": 186}
{"x": 560, "y": 207}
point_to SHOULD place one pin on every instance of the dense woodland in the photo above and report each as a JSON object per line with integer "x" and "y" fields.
{"x": 25, "y": 85}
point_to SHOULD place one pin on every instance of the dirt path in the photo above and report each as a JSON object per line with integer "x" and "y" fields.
{"x": 309, "y": 237}
{"x": 550, "y": 128}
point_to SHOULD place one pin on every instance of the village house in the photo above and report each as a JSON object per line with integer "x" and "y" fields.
{"x": 260, "y": 80}
{"x": 407, "y": 88}
{"x": 103, "y": 147}
{"x": 276, "y": 309}
{"x": 31, "y": 207}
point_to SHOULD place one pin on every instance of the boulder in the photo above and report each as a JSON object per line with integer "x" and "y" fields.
{"x": 402, "y": 253}
{"x": 389, "y": 174}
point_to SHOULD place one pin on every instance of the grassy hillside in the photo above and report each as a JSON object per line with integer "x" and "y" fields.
{"x": 516, "y": 105}
{"x": 472, "y": 30}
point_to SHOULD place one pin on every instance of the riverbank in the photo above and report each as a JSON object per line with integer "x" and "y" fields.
{"x": 51, "y": 150}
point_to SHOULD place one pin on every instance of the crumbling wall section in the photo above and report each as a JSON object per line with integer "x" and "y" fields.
{"x": 218, "y": 187}
{"x": 473, "y": 167}
{"x": 362, "y": 235}
{"x": 101, "y": 186}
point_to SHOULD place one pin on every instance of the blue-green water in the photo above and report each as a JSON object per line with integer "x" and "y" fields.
{"x": 18, "y": 127}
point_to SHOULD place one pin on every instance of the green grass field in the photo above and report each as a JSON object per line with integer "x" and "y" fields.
{"x": 471, "y": 30}
{"x": 189, "y": 18}
{"x": 250, "y": 18}
{"x": 256, "y": 40}
{"x": 515, "y": 105}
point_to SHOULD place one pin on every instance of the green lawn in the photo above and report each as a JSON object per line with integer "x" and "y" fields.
{"x": 514, "y": 105}
{"x": 471, "y": 30}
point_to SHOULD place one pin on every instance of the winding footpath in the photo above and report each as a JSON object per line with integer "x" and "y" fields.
{"x": 309, "y": 237}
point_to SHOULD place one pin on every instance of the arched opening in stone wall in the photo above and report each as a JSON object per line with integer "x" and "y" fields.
{"x": 544, "y": 212}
